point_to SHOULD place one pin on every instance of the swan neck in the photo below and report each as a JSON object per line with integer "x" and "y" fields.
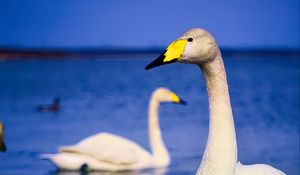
{"x": 220, "y": 156}
{"x": 159, "y": 151}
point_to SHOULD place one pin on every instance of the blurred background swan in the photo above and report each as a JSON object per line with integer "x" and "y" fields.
{"x": 197, "y": 46}
{"x": 110, "y": 152}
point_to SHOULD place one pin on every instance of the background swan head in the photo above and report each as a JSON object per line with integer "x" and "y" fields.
{"x": 164, "y": 95}
{"x": 195, "y": 46}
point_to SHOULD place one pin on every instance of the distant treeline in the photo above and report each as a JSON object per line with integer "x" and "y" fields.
{"x": 16, "y": 53}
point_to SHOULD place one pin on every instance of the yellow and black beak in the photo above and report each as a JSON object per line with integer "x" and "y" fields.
{"x": 172, "y": 54}
{"x": 182, "y": 102}
{"x": 177, "y": 100}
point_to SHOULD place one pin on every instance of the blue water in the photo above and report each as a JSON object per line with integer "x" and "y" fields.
{"x": 112, "y": 95}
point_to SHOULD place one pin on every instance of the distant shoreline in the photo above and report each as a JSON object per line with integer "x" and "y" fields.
{"x": 37, "y": 53}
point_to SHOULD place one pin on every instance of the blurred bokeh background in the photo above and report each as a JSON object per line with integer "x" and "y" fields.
{"x": 91, "y": 54}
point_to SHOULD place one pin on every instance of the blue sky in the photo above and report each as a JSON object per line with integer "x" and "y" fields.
{"x": 151, "y": 23}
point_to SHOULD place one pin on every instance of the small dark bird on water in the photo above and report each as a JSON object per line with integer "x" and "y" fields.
{"x": 54, "y": 107}
{"x": 2, "y": 145}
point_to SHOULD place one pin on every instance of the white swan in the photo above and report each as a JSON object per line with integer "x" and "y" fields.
{"x": 198, "y": 47}
{"x": 109, "y": 152}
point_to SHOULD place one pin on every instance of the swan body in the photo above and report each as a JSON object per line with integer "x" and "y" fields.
{"x": 256, "y": 169}
{"x": 110, "y": 152}
{"x": 103, "y": 151}
{"x": 197, "y": 46}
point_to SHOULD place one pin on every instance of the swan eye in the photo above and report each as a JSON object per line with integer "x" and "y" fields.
{"x": 190, "y": 39}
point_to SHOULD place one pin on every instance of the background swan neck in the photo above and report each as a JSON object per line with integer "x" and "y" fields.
{"x": 159, "y": 151}
{"x": 220, "y": 156}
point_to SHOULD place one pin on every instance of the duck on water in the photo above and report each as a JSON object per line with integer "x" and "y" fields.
{"x": 54, "y": 107}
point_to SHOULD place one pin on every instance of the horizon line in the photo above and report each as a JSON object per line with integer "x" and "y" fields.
{"x": 25, "y": 52}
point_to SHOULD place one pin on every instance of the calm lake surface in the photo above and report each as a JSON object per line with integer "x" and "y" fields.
{"x": 112, "y": 95}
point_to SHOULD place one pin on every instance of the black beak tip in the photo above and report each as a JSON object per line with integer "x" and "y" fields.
{"x": 2, "y": 147}
{"x": 183, "y": 102}
{"x": 148, "y": 67}
{"x": 157, "y": 62}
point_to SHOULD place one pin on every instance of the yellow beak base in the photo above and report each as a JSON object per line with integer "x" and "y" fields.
{"x": 176, "y": 99}
{"x": 172, "y": 54}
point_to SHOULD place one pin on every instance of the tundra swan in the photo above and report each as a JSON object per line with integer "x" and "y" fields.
{"x": 197, "y": 46}
{"x": 110, "y": 152}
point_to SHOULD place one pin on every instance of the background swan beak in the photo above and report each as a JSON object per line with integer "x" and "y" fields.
{"x": 177, "y": 100}
{"x": 182, "y": 102}
{"x": 2, "y": 147}
{"x": 159, "y": 61}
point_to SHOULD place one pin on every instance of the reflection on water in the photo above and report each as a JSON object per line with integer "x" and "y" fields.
{"x": 142, "y": 172}
{"x": 112, "y": 96}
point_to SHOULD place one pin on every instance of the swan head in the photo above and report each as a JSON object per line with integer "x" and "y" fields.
{"x": 164, "y": 95}
{"x": 195, "y": 46}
